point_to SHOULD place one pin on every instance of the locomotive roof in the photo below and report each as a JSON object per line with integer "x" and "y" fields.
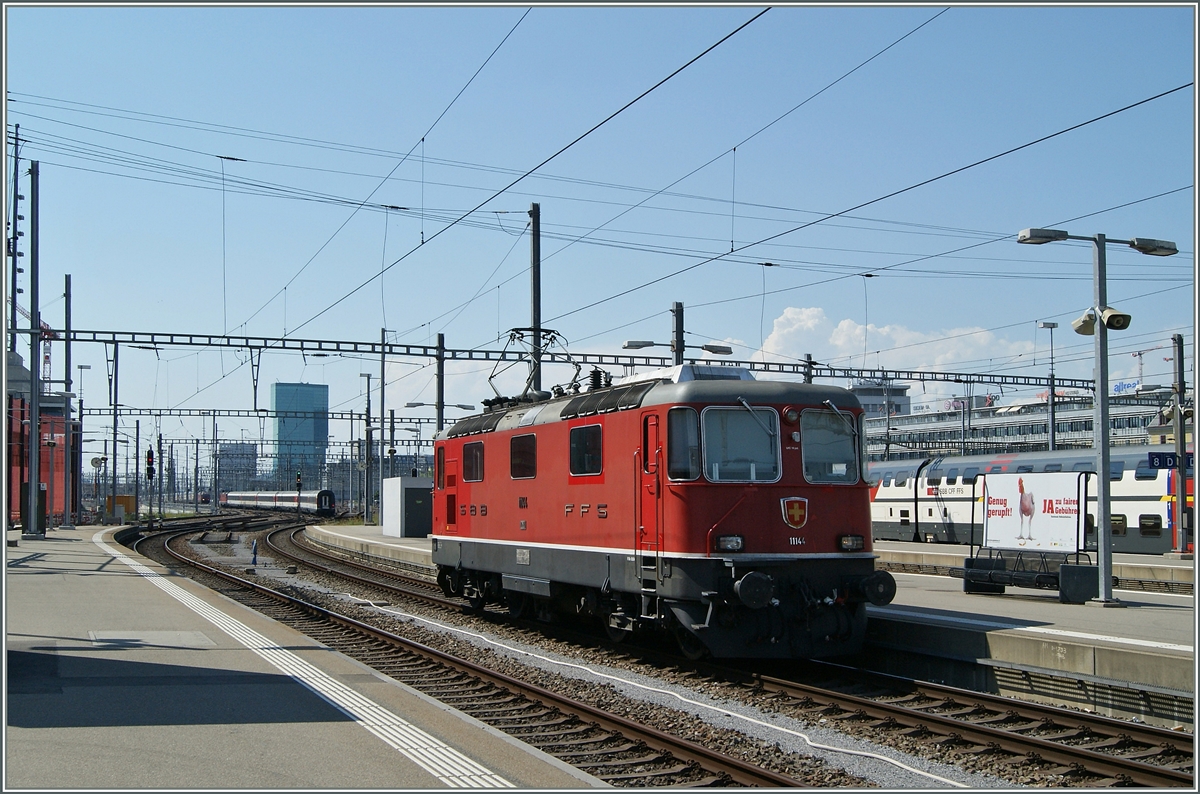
{"x": 625, "y": 396}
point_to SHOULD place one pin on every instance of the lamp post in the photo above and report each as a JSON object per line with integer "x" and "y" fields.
{"x": 1098, "y": 320}
{"x": 1051, "y": 326}
{"x": 676, "y": 344}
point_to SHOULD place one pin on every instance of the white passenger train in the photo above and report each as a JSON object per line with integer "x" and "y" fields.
{"x": 931, "y": 500}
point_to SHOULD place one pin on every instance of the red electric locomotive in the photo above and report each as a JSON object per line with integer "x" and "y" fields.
{"x": 731, "y": 511}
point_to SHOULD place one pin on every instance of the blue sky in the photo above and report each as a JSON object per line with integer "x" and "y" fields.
{"x": 128, "y": 110}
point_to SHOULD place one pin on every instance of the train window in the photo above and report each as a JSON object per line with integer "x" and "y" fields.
{"x": 995, "y": 469}
{"x": 742, "y": 444}
{"x": 586, "y": 451}
{"x": 952, "y": 477}
{"x": 472, "y": 462}
{"x": 829, "y": 447}
{"x": 683, "y": 444}
{"x": 933, "y": 478}
{"x": 1089, "y": 524}
{"x": 1118, "y": 522}
{"x": 439, "y": 463}
{"x": 1150, "y": 526}
{"x": 522, "y": 457}
{"x": 902, "y": 478}
{"x": 1116, "y": 468}
{"x": 1144, "y": 472}
{"x": 1025, "y": 468}
{"x": 1052, "y": 467}
{"x": 1084, "y": 465}
{"x": 887, "y": 479}
{"x": 969, "y": 474}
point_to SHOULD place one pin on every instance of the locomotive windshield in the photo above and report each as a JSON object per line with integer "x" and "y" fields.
{"x": 829, "y": 448}
{"x": 741, "y": 444}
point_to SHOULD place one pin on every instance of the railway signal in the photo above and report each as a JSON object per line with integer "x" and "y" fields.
{"x": 150, "y": 465}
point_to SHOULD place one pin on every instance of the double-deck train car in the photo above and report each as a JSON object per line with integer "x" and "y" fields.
{"x": 319, "y": 503}
{"x": 733, "y": 512}
{"x": 931, "y": 500}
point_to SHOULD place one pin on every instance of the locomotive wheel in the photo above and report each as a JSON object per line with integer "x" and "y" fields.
{"x": 615, "y": 634}
{"x": 518, "y": 603}
{"x": 690, "y": 645}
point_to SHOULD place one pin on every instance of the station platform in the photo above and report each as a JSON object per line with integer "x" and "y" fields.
{"x": 1137, "y": 661}
{"x": 121, "y": 675}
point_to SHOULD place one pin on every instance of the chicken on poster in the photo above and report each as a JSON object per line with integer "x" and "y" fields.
{"x": 1032, "y": 512}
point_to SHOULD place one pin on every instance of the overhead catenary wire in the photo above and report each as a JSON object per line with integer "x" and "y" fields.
{"x": 584, "y": 135}
{"x": 878, "y": 199}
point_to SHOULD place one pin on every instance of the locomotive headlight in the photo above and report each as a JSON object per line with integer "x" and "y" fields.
{"x": 851, "y": 542}
{"x": 791, "y": 415}
{"x": 730, "y": 542}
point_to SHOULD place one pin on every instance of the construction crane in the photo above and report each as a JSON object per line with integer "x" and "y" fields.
{"x": 48, "y": 333}
{"x": 1139, "y": 354}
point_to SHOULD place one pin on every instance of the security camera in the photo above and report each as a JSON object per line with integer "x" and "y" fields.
{"x": 1085, "y": 325}
{"x": 1115, "y": 320}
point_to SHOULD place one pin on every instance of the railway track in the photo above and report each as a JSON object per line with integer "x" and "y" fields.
{"x": 608, "y": 746}
{"x": 1078, "y": 746}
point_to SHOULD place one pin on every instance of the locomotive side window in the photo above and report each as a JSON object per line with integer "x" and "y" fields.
{"x": 472, "y": 462}
{"x": 683, "y": 444}
{"x": 439, "y": 463}
{"x": 829, "y": 448}
{"x": 741, "y": 444}
{"x": 522, "y": 460}
{"x": 1150, "y": 526}
{"x": 586, "y": 450}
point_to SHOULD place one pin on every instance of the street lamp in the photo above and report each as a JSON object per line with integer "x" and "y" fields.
{"x": 638, "y": 344}
{"x": 677, "y": 346}
{"x": 1051, "y": 326}
{"x": 1087, "y": 325}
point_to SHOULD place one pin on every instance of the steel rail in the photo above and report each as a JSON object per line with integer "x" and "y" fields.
{"x": 738, "y": 771}
{"x": 1114, "y": 766}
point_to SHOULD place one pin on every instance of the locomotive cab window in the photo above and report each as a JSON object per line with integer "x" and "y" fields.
{"x": 683, "y": 444}
{"x": 522, "y": 461}
{"x": 741, "y": 444}
{"x": 472, "y": 462}
{"x": 586, "y": 450}
{"x": 829, "y": 447}
{"x": 439, "y": 463}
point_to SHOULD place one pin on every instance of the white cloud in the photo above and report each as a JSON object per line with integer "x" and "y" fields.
{"x": 798, "y": 331}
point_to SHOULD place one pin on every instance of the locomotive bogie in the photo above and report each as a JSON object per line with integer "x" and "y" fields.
{"x": 733, "y": 514}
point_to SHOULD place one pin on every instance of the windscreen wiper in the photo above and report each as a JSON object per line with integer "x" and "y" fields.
{"x": 849, "y": 422}
{"x": 757, "y": 418}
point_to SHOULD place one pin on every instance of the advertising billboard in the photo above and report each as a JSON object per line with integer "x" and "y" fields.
{"x": 1032, "y": 512}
